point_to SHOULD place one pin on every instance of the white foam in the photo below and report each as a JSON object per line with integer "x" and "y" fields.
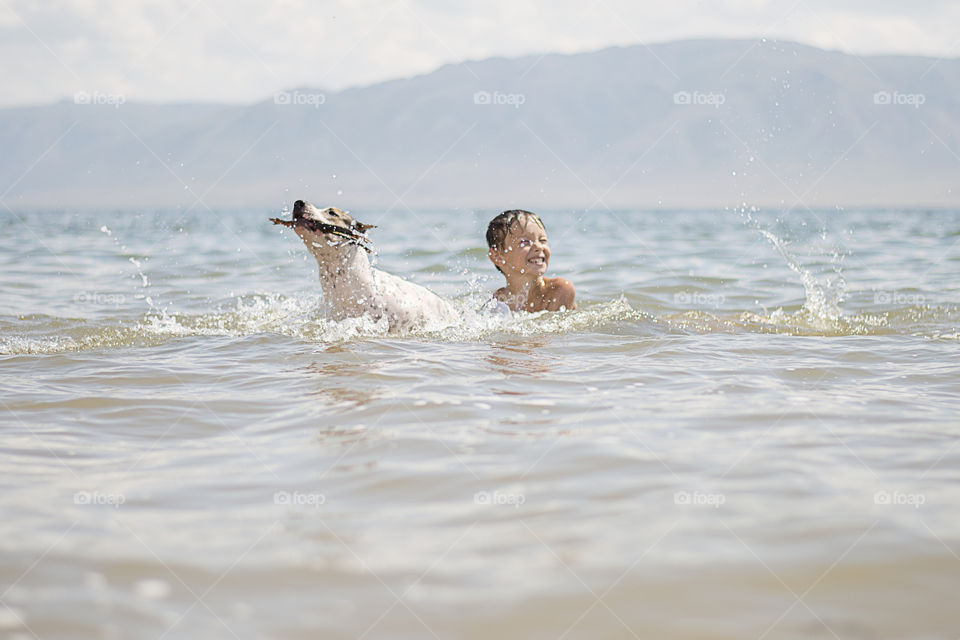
{"x": 300, "y": 317}
{"x": 13, "y": 345}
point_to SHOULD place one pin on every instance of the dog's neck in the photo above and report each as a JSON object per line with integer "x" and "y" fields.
{"x": 346, "y": 276}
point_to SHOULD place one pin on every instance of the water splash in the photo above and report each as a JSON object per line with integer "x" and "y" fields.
{"x": 299, "y": 318}
{"x": 823, "y": 300}
{"x": 144, "y": 280}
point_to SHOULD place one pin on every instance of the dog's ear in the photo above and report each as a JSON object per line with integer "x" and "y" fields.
{"x": 363, "y": 228}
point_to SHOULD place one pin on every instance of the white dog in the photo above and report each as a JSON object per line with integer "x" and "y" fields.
{"x": 351, "y": 287}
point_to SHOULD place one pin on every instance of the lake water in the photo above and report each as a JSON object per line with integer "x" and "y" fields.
{"x": 748, "y": 430}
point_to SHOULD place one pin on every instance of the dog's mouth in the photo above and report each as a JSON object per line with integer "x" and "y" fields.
{"x": 350, "y": 234}
{"x": 353, "y": 234}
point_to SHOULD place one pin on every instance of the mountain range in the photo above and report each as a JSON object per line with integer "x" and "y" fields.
{"x": 699, "y": 123}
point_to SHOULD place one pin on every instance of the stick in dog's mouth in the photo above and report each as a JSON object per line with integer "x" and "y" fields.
{"x": 353, "y": 236}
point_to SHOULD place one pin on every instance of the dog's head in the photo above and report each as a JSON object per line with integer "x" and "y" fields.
{"x": 330, "y": 227}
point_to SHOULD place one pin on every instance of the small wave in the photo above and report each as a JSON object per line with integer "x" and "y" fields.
{"x": 805, "y": 321}
{"x": 16, "y": 345}
{"x": 475, "y": 323}
{"x": 810, "y": 321}
{"x": 249, "y": 315}
{"x": 252, "y": 314}
{"x": 291, "y": 316}
{"x": 822, "y": 312}
{"x": 301, "y": 318}
{"x": 80, "y": 337}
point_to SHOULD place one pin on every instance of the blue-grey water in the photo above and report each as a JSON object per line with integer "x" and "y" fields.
{"x": 748, "y": 429}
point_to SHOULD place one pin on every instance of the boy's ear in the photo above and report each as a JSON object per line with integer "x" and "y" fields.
{"x": 494, "y": 254}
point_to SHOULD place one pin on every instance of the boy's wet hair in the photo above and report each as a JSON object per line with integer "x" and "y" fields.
{"x": 499, "y": 227}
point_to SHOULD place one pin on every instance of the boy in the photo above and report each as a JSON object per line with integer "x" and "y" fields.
{"x": 518, "y": 249}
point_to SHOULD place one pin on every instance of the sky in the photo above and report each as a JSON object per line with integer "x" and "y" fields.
{"x": 246, "y": 50}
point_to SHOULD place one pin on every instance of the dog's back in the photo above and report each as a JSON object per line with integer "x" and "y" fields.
{"x": 409, "y": 306}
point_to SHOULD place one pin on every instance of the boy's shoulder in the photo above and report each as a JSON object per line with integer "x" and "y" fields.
{"x": 556, "y": 293}
{"x": 562, "y": 291}
{"x": 557, "y": 285}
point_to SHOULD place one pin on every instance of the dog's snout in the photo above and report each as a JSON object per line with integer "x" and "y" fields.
{"x": 298, "y": 209}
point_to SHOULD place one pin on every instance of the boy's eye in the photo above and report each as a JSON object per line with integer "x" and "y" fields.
{"x": 525, "y": 243}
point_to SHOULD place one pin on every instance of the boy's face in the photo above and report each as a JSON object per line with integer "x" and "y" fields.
{"x": 524, "y": 252}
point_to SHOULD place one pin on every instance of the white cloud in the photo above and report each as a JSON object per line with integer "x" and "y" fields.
{"x": 242, "y": 50}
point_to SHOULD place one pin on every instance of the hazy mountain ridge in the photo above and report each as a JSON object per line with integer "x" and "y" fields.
{"x": 694, "y": 123}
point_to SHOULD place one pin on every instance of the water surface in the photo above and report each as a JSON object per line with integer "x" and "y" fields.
{"x": 747, "y": 429}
